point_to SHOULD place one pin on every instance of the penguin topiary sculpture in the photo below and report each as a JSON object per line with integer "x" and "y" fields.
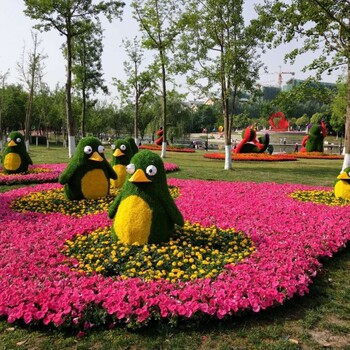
{"x": 15, "y": 158}
{"x": 342, "y": 184}
{"x": 314, "y": 141}
{"x": 123, "y": 150}
{"x": 88, "y": 173}
{"x": 144, "y": 211}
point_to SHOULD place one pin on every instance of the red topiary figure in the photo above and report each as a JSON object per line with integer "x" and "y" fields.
{"x": 160, "y": 139}
{"x": 250, "y": 144}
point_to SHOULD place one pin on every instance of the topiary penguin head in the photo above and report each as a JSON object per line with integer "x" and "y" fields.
{"x": 16, "y": 141}
{"x": 89, "y": 150}
{"x": 146, "y": 169}
{"x": 122, "y": 151}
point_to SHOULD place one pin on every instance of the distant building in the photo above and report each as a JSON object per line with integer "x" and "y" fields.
{"x": 292, "y": 83}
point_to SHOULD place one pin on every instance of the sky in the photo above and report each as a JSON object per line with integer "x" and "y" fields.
{"x": 15, "y": 34}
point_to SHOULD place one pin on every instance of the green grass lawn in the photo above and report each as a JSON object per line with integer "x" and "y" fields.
{"x": 318, "y": 320}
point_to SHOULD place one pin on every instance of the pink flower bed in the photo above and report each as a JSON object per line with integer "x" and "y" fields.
{"x": 290, "y": 237}
{"x": 49, "y": 173}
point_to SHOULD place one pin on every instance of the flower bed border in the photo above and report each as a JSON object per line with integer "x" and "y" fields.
{"x": 52, "y": 175}
{"x": 260, "y": 157}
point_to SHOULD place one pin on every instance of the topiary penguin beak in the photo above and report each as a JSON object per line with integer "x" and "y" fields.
{"x": 96, "y": 157}
{"x": 12, "y": 143}
{"x": 118, "y": 153}
{"x": 343, "y": 176}
{"x": 139, "y": 176}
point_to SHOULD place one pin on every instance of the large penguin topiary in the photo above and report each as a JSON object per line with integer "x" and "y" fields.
{"x": 88, "y": 173}
{"x": 144, "y": 211}
{"x": 15, "y": 158}
{"x": 342, "y": 184}
{"x": 123, "y": 150}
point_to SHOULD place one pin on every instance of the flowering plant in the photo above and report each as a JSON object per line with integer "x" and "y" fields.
{"x": 39, "y": 283}
{"x": 264, "y": 157}
{"x": 317, "y": 155}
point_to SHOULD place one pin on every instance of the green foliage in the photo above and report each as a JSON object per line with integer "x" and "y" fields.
{"x": 339, "y": 105}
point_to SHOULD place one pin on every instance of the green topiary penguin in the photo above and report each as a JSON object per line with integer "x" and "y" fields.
{"x": 133, "y": 145}
{"x": 122, "y": 153}
{"x": 144, "y": 211}
{"x": 88, "y": 173}
{"x": 15, "y": 158}
{"x": 314, "y": 141}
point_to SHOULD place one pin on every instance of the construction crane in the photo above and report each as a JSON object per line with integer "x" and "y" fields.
{"x": 280, "y": 77}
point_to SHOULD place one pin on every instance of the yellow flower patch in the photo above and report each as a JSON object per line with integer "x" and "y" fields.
{"x": 319, "y": 197}
{"x": 194, "y": 252}
{"x": 54, "y": 201}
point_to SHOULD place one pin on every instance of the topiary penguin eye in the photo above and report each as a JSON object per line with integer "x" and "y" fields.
{"x": 18, "y": 139}
{"x": 113, "y": 147}
{"x": 101, "y": 149}
{"x": 151, "y": 170}
{"x": 88, "y": 149}
{"x": 122, "y": 147}
{"x": 130, "y": 168}
{"x": 8, "y": 139}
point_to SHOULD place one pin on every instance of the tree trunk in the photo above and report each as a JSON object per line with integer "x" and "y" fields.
{"x": 83, "y": 112}
{"x": 70, "y": 120}
{"x": 346, "y": 162}
{"x": 164, "y": 108}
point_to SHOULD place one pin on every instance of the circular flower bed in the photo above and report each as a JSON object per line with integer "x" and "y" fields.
{"x": 317, "y": 155}
{"x": 41, "y": 283}
{"x": 264, "y": 157}
{"x": 41, "y": 173}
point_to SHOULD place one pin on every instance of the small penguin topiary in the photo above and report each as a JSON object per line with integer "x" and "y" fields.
{"x": 314, "y": 141}
{"x": 123, "y": 150}
{"x": 15, "y": 158}
{"x": 342, "y": 184}
{"x": 88, "y": 173}
{"x": 144, "y": 211}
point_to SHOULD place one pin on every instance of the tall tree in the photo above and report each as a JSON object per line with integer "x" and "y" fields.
{"x": 160, "y": 22}
{"x": 3, "y": 77}
{"x": 323, "y": 25}
{"x": 139, "y": 83}
{"x": 87, "y": 66}
{"x": 224, "y": 54}
{"x": 68, "y": 17}
{"x": 31, "y": 73}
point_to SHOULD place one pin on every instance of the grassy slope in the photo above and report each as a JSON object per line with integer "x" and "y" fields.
{"x": 320, "y": 319}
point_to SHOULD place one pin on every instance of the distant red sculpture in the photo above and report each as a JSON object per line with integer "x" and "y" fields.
{"x": 282, "y": 124}
{"x": 160, "y": 139}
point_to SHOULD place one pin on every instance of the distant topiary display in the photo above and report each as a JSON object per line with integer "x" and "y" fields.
{"x": 88, "y": 173}
{"x": 144, "y": 211}
{"x": 123, "y": 150}
{"x": 15, "y": 158}
{"x": 250, "y": 144}
{"x": 314, "y": 141}
{"x": 342, "y": 184}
